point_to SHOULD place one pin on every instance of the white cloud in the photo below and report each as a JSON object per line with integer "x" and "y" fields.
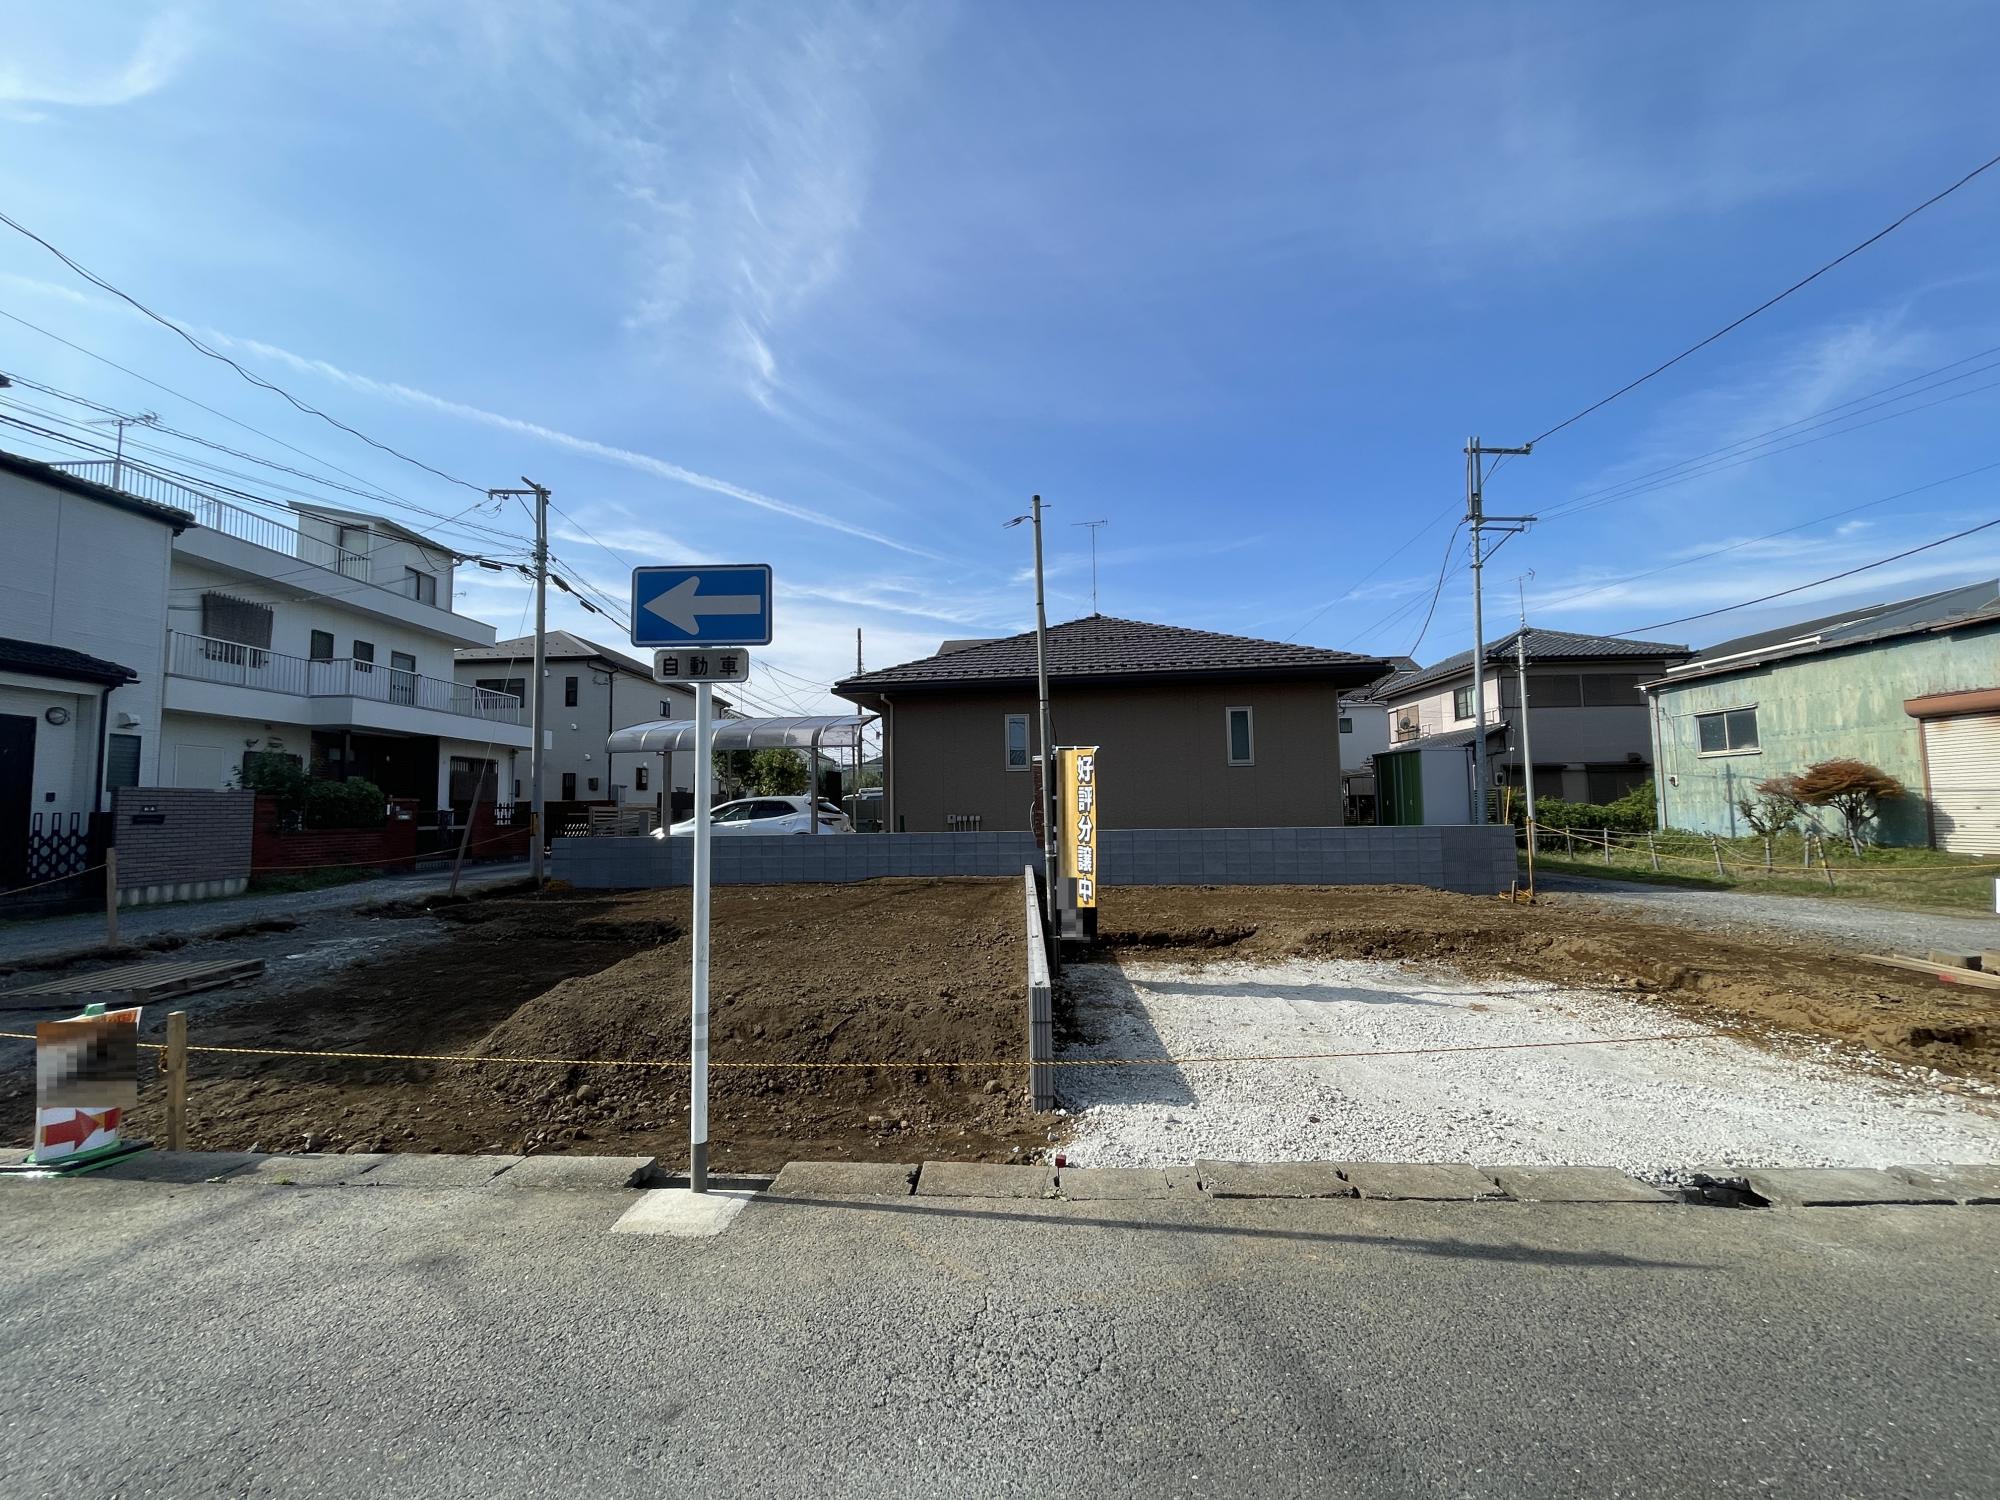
{"x": 42, "y": 70}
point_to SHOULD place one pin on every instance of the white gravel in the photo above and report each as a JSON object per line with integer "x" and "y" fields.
{"x": 1654, "y": 1109}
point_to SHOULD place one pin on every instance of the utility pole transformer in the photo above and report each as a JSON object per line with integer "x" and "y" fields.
{"x": 1480, "y": 522}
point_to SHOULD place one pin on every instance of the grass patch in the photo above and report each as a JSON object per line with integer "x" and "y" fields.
{"x": 1918, "y": 879}
{"x": 292, "y": 882}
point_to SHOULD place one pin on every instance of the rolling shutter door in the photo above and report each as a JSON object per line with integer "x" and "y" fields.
{"x": 1963, "y": 753}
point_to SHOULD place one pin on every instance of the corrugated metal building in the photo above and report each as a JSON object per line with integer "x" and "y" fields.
{"x": 1911, "y": 686}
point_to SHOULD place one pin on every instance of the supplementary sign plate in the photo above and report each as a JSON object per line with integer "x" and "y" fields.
{"x": 727, "y": 664}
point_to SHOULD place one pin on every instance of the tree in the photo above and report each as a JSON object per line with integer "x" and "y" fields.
{"x": 1852, "y": 788}
{"x": 762, "y": 773}
{"x": 1774, "y": 806}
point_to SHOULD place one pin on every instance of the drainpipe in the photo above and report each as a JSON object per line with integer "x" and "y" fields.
{"x": 103, "y": 743}
{"x": 1659, "y": 766}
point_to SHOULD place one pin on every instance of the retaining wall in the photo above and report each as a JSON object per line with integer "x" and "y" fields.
{"x": 1041, "y": 1003}
{"x": 1469, "y": 858}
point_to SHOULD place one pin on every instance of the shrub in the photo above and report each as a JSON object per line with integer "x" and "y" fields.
{"x": 1852, "y": 788}
{"x": 344, "y": 804}
{"x": 1773, "y": 808}
{"x": 1635, "y": 812}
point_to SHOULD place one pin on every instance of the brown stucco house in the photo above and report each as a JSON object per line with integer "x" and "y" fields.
{"x": 1196, "y": 729}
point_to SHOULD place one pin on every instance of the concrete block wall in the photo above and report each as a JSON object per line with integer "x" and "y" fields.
{"x": 1041, "y": 1002}
{"x": 181, "y": 843}
{"x": 1471, "y": 859}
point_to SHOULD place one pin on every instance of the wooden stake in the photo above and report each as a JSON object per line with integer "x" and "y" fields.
{"x": 1653, "y": 851}
{"x": 1767, "y": 856}
{"x": 1607, "y": 844}
{"x": 1531, "y": 861}
{"x": 177, "y": 1080}
{"x": 111, "y": 896}
{"x": 1716, "y": 844}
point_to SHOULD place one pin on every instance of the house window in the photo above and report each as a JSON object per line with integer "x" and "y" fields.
{"x": 1346, "y": 724}
{"x": 592, "y": 783}
{"x": 1559, "y": 691}
{"x": 569, "y": 786}
{"x": 423, "y": 586}
{"x": 1017, "y": 742}
{"x": 1605, "y": 691}
{"x": 569, "y": 692}
{"x": 321, "y": 648}
{"x": 1461, "y": 702}
{"x": 121, "y": 760}
{"x": 513, "y": 686}
{"x": 666, "y": 708}
{"x": 363, "y": 653}
{"x": 1241, "y": 742}
{"x": 232, "y": 625}
{"x": 1731, "y": 732}
{"x": 640, "y": 773}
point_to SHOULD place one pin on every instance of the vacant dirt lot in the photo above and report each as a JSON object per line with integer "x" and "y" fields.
{"x": 1753, "y": 986}
{"x": 920, "y": 972}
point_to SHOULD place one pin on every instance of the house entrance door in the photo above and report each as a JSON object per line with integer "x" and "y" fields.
{"x": 17, "y": 790}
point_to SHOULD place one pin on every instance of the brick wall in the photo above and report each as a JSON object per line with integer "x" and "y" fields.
{"x": 322, "y": 848}
{"x": 171, "y": 836}
{"x": 1472, "y": 859}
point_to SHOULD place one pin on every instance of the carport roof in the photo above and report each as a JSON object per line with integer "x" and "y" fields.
{"x": 820, "y": 731}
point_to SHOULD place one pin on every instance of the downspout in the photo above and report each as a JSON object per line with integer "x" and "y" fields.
{"x": 1659, "y": 767}
{"x": 103, "y": 743}
{"x": 888, "y": 766}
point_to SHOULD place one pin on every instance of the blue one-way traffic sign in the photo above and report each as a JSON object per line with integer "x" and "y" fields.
{"x": 711, "y": 604}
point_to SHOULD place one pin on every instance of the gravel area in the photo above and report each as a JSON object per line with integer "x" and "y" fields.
{"x": 1851, "y": 924}
{"x": 1654, "y": 1109}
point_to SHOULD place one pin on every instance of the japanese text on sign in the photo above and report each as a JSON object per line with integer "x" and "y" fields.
{"x": 676, "y": 666}
{"x": 1078, "y": 765}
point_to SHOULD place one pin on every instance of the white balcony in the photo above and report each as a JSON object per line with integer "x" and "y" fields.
{"x": 210, "y": 676}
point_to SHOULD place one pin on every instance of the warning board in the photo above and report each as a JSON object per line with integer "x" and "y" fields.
{"x": 86, "y": 1078}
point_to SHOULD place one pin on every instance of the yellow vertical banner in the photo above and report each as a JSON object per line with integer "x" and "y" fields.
{"x": 1077, "y": 769}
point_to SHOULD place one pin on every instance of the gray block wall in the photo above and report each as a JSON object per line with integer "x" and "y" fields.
{"x": 1472, "y": 859}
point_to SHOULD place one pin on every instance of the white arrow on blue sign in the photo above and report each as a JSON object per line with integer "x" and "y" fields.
{"x": 709, "y": 604}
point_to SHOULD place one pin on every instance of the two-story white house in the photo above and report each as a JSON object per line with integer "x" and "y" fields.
{"x": 325, "y": 635}
{"x": 592, "y": 691}
{"x": 1588, "y": 730}
{"x": 83, "y": 591}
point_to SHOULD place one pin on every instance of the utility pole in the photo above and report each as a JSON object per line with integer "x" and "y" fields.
{"x": 1093, "y": 527}
{"x": 1521, "y": 693}
{"x": 144, "y": 419}
{"x": 1480, "y": 522}
{"x": 537, "y": 808}
{"x": 1047, "y": 805}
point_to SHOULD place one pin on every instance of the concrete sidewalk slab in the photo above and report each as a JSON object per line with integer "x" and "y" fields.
{"x": 1272, "y": 1179}
{"x": 13, "y": 1155}
{"x": 1574, "y": 1185}
{"x": 1965, "y": 1184}
{"x": 1837, "y": 1187}
{"x": 310, "y": 1169}
{"x": 975, "y": 1179}
{"x": 1420, "y": 1182}
{"x": 178, "y": 1166}
{"x": 1086, "y": 1184}
{"x": 845, "y": 1179}
{"x": 577, "y": 1173}
{"x": 680, "y": 1213}
{"x": 439, "y": 1171}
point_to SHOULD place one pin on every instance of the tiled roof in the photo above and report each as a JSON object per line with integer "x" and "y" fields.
{"x": 1851, "y": 627}
{"x": 62, "y": 479}
{"x": 35, "y": 659}
{"x": 1105, "y": 647}
{"x": 562, "y": 646}
{"x": 1543, "y": 646}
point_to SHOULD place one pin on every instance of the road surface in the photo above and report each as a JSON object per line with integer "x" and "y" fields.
{"x": 245, "y": 1340}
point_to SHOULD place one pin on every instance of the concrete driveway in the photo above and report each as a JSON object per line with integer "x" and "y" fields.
{"x": 255, "y": 1339}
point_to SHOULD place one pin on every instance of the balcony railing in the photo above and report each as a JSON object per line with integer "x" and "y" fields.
{"x": 206, "y": 659}
{"x": 274, "y": 533}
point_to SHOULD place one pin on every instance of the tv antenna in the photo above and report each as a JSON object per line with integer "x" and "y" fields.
{"x": 1093, "y": 528}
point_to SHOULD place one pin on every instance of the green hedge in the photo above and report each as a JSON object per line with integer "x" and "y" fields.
{"x": 1635, "y": 812}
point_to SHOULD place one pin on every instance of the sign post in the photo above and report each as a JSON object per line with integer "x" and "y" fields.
{"x": 701, "y": 605}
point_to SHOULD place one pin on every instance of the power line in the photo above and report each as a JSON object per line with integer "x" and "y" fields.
{"x": 1698, "y": 466}
{"x": 1830, "y": 578}
{"x": 1414, "y": 537}
{"x": 1767, "y": 304}
{"x": 257, "y": 380}
{"x": 1833, "y": 515}
{"x": 1431, "y": 613}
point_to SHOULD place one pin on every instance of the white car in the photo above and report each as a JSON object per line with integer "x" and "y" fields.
{"x": 765, "y": 815}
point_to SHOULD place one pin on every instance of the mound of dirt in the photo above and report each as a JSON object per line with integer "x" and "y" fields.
{"x": 1760, "y": 988}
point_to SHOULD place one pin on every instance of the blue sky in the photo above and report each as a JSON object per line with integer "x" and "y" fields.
{"x": 839, "y": 286}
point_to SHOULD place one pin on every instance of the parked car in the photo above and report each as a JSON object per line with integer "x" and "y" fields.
{"x": 765, "y": 815}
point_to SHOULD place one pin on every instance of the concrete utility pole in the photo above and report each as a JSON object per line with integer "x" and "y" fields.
{"x": 1093, "y": 527}
{"x": 1521, "y": 693}
{"x": 144, "y": 419}
{"x": 1480, "y": 522}
{"x": 538, "y": 812}
{"x": 1050, "y": 893}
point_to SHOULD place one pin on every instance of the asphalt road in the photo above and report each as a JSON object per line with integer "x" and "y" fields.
{"x": 245, "y": 1340}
